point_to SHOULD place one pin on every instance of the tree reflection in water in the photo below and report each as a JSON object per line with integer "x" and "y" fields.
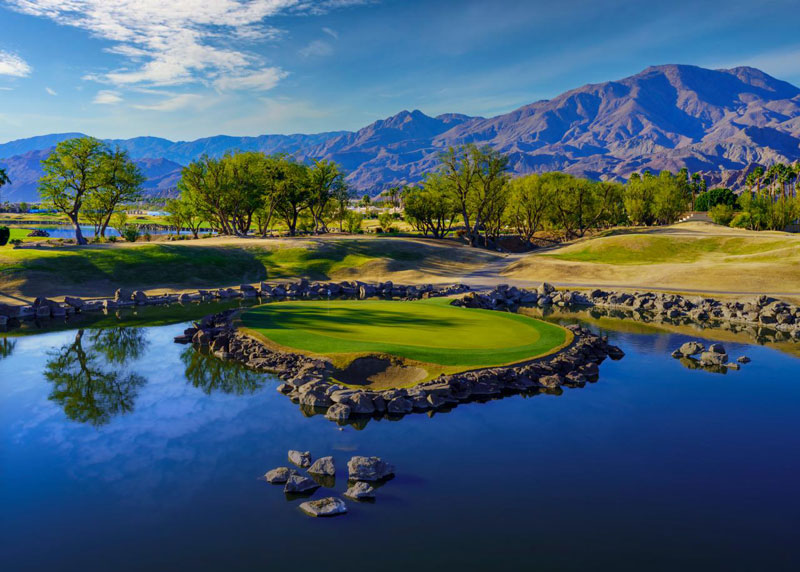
{"x": 87, "y": 380}
{"x": 211, "y": 374}
{"x": 7, "y": 347}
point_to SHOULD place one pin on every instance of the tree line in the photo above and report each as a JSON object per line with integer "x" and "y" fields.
{"x": 473, "y": 190}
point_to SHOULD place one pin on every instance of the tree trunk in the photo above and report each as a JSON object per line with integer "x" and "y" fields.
{"x": 78, "y": 234}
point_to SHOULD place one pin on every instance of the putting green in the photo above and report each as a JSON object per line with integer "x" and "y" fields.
{"x": 428, "y": 331}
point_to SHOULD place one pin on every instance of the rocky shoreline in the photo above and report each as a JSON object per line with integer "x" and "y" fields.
{"x": 46, "y": 309}
{"x": 761, "y": 311}
{"x": 308, "y": 381}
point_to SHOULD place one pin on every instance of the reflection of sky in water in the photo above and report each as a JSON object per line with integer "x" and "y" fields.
{"x": 653, "y": 451}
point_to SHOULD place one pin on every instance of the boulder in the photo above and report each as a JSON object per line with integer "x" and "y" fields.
{"x": 299, "y": 484}
{"x": 691, "y": 349}
{"x": 368, "y": 469}
{"x": 140, "y": 297}
{"x": 743, "y": 359}
{"x": 280, "y": 475}
{"x": 733, "y": 365}
{"x": 717, "y": 349}
{"x": 399, "y": 405}
{"x": 323, "y": 466}
{"x": 713, "y": 358}
{"x": 360, "y": 491}
{"x": 301, "y": 459}
{"x": 76, "y": 303}
{"x": 329, "y": 506}
{"x": 122, "y": 295}
{"x": 338, "y": 412}
{"x": 545, "y": 289}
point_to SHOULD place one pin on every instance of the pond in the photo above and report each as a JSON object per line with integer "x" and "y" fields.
{"x": 66, "y": 231}
{"x": 120, "y": 450}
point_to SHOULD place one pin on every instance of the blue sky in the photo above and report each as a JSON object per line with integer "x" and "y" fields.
{"x": 184, "y": 69}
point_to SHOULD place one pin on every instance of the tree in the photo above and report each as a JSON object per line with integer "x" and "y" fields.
{"x": 293, "y": 192}
{"x": 71, "y": 173}
{"x": 184, "y": 214}
{"x": 530, "y": 200}
{"x": 88, "y": 388}
{"x": 122, "y": 182}
{"x": 202, "y": 183}
{"x": 4, "y": 180}
{"x": 325, "y": 183}
{"x": 580, "y": 204}
{"x": 713, "y": 197}
{"x": 431, "y": 209}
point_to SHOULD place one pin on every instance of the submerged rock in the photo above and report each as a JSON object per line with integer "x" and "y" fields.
{"x": 301, "y": 459}
{"x": 330, "y": 506}
{"x": 360, "y": 491}
{"x": 300, "y": 484}
{"x": 743, "y": 359}
{"x": 280, "y": 475}
{"x": 369, "y": 469}
{"x": 323, "y": 466}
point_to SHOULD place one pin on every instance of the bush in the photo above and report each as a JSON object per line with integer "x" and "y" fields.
{"x": 5, "y": 234}
{"x": 129, "y": 232}
{"x": 741, "y": 220}
{"x": 15, "y": 242}
{"x": 721, "y": 214}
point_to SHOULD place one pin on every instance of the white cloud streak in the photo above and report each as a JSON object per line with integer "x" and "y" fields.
{"x": 179, "y": 41}
{"x": 51, "y": 91}
{"x": 107, "y": 97}
{"x": 13, "y": 65}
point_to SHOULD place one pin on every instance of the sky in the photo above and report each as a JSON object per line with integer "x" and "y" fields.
{"x": 184, "y": 69}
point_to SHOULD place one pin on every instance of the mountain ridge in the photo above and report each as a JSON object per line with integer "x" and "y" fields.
{"x": 664, "y": 117}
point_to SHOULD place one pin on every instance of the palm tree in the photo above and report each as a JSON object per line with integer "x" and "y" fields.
{"x": 4, "y": 180}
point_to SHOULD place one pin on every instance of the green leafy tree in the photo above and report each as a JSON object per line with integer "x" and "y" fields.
{"x": 122, "y": 183}
{"x": 4, "y": 180}
{"x": 713, "y": 197}
{"x": 353, "y": 221}
{"x": 72, "y": 173}
{"x": 432, "y": 208}
{"x": 325, "y": 183}
{"x": 294, "y": 194}
{"x": 184, "y": 214}
{"x": 529, "y": 204}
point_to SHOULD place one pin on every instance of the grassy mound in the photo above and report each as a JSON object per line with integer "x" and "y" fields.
{"x": 429, "y": 332}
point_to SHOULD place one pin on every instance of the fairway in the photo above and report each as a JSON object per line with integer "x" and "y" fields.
{"x": 427, "y": 331}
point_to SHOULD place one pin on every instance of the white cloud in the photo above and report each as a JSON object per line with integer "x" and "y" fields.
{"x": 172, "y": 103}
{"x": 51, "y": 91}
{"x": 107, "y": 97}
{"x": 180, "y": 41}
{"x": 258, "y": 80}
{"x": 332, "y": 33}
{"x": 13, "y": 65}
{"x": 316, "y": 48}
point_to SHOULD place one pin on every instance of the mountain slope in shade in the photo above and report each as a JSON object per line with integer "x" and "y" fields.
{"x": 665, "y": 117}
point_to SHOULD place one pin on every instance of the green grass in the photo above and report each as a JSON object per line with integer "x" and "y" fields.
{"x": 647, "y": 249}
{"x": 428, "y": 331}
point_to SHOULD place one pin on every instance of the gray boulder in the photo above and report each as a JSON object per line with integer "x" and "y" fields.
{"x": 545, "y": 289}
{"x": 301, "y": 459}
{"x": 280, "y": 475}
{"x": 717, "y": 349}
{"x": 360, "y": 491}
{"x": 299, "y": 484}
{"x": 691, "y": 349}
{"x": 338, "y": 412}
{"x": 743, "y": 359}
{"x": 368, "y": 469}
{"x": 713, "y": 358}
{"x": 330, "y": 506}
{"x": 323, "y": 466}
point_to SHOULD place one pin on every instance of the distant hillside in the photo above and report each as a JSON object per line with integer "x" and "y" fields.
{"x": 666, "y": 117}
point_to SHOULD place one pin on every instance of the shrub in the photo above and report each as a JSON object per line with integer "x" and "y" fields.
{"x": 741, "y": 220}
{"x": 353, "y": 222}
{"x": 721, "y": 214}
{"x": 5, "y": 234}
{"x": 385, "y": 220}
{"x": 15, "y": 242}
{"x": 129, "y": 232}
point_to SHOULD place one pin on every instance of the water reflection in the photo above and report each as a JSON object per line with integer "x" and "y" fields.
{"x": 88, "y": 380}
{"x": 210, "y": 374}
{"x": 7, "y": 347}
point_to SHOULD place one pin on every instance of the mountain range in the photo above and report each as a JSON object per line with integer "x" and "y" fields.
{"x": 717, "y": 122}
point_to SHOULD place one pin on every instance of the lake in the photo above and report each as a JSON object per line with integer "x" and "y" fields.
{"x": 120, "y": 450}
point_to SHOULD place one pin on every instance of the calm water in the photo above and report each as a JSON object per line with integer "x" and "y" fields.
{"x": 120, "y": 450}
{"x": 64, "y": 231}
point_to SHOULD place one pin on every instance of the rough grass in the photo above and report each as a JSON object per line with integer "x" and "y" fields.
{"x": 428, "y": 331}
{"x": 98, "y": 269}
{"x": 699, "y": 258}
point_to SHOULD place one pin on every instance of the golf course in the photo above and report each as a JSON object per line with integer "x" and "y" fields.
{"x": 428, "y": 333}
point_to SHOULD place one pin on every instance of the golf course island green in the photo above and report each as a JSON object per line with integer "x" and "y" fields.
{"x": 385, "y": 343}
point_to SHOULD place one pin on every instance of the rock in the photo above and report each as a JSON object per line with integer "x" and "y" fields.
{"x": 368, "y": 469}
{"x": 677, "y": 354}
{"x": 76, "y": 303}
{"x": 140, "y": 297}
{"x": 280, "y": 475}
{"x": 713, "y": 358}
{"x": 545, "y": 289}
{"x": 122, "y": 295}
{"x": 302, "y": 460}
{"x": 360, "y": 491}
{"x": 733, "y": 365}
{"x": 717, "y": 349}
{"x": 329, "y": 506}
{"x": 323, "y": 466}
{"x": 691, "y": 348}
{"x": 300, "y": 484}
{"x": 399, "y": 405}
{"x": 338, "y": 412}
{"x": 743, "y": 359}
